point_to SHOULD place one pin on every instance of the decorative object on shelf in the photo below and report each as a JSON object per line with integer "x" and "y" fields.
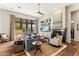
{"x": 45, "y": 25}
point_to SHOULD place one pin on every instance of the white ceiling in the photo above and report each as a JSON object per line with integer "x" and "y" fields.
{"x": 32, "y": 8}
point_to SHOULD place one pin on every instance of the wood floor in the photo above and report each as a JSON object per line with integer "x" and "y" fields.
{"x": 7, "y": 49}
{"x": 46, "y": 50}
{"x": 22, "y": 53}
{"x": 71, "y": 50}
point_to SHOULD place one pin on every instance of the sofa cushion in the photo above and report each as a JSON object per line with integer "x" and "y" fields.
{"x": 19, "y": 37}
{"x": 5, "y": 36}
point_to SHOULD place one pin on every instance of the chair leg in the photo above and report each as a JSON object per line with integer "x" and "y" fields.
{"x": 35, "y": 51}
{"x": 38, "y": 48}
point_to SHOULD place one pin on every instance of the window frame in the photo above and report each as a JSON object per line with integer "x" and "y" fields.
{"x": 21, "y": 22}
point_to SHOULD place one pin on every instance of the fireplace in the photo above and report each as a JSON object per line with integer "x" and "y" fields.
{"x": 54, "y": 32}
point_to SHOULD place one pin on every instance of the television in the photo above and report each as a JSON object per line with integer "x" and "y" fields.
{"x": 45, "y": 29}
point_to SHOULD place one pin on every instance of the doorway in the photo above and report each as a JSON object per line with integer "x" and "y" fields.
{"x": 74, "y": 27}
{"x": 72, "y": 31}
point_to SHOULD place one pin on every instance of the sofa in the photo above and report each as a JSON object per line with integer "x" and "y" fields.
{"x": 28, "y": 46}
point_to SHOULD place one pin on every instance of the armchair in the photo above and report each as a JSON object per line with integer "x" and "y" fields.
{"x": 57, "y": 41}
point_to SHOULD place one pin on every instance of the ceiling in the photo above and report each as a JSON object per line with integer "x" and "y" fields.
{"x": 32, "y": 8}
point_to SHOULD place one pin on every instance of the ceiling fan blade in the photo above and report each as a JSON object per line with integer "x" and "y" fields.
{"x": 40, "y": 13}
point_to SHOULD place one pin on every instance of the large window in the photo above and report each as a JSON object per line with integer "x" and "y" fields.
{"x": 17, "y": 26}
{"x": 25, "y": 25}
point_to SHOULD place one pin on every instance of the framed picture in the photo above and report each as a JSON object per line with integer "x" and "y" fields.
{"x": 57, "y": 21}
{"x": 78, "y": 27}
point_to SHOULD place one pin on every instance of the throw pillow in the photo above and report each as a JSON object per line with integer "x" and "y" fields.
{"x": 5, "y": 37}
{"x": 19, "y": 37}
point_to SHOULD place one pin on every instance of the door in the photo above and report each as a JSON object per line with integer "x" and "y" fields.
{"x": 72, "y": 32}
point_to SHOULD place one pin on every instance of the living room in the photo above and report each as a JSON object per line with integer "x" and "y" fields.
{"x": 34, "y": 28}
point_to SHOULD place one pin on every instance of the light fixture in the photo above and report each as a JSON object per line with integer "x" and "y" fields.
{"x": 39, "y": 12}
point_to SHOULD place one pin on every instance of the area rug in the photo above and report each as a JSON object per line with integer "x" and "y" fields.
{"x": 47, "y": 50}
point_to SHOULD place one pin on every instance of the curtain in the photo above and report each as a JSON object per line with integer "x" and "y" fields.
{"x": 36, "y": 23}
{"x": 12, "y": 27}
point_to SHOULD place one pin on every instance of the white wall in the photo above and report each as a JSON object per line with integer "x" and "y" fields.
{"x": 5, "y": 19}
{"x": 0, "y": 20}
{"x": 63, "y": 11}
{"x": 5, "y": 22}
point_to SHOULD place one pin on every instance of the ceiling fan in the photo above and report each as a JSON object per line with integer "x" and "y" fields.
{"x": 39, "y": 12}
